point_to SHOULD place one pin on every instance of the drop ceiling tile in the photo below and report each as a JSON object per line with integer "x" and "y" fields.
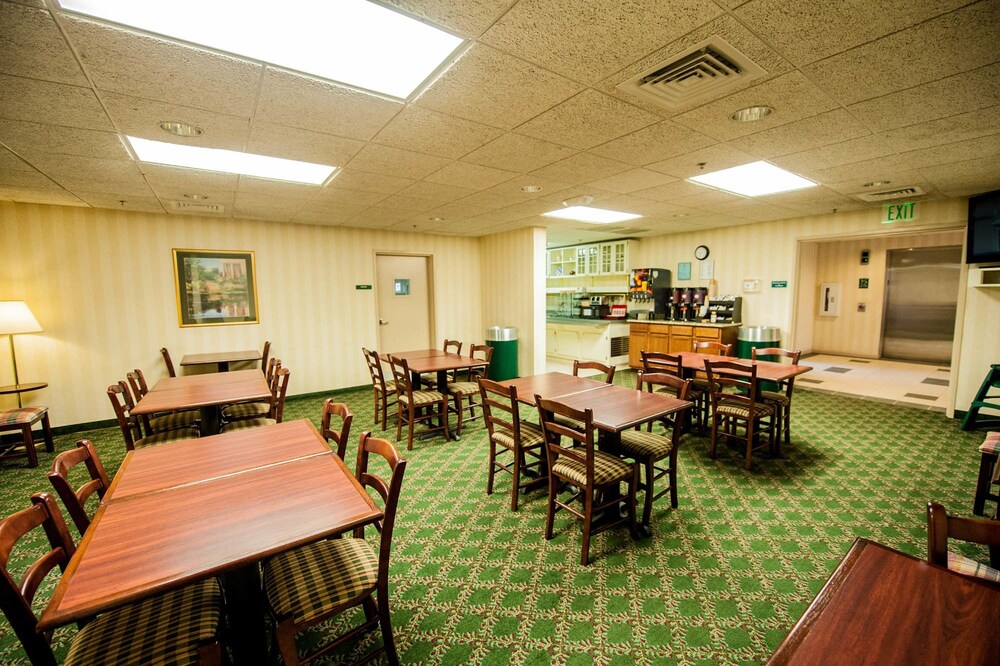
{"x": 832, "y": 27}
{"x": 426, "y": 131}
{"x": 12, "y": 162}
{"x": 410, "y": 204}
{"x": 27, "y": 139}
{"x": 27, "y": 179}
{"x": 32, "y": 46}
{"x": 672, "y": 191}
{"x": 132, "y": 63}
{"x": 834, "y": 154}
{"x": 968, "y": 91}
{"x": 455, "y": 212}
{"x": 275, "y": 188}
{"x": 374, "y": 158}
{"x": 879, "y": 168}
{"x": 495, "y": 88}
{"x": 468, "y": 18}
{"x": 949, "y": 153}
{"x": 462, "y": 174}
{"x": 296, "y": 100}
{"x": 832, "y": 127}
{"x": 961, "y": 127}
{"x": 907, "y": 58}
{"x": 51, "y": 103}
{"x": 586, "y": 40}
{"x": 332, "y": 195}
{"x": 515, "y": 152}
{"x": 56, "y": 197}
{"x": 171, "y": 183}
{"x": 710, "y": 158}
{"x": 92, "y": 174}
{"x": 757, "y": 210}
{"x": 510, "y": 193}
{"x": 632, "y": 180}
{"x": 657, "y": 142}
{"x": 853, "y": 182}
{"x": 792, "y": 96}
{"x": 435, "y": 192}
{"x": 581, "y": 168}
{"x": 139, "y": 117}
{"x": 117, "y": 202}
{"x": 586, "y": 120}
{"x": 369, "y": 182}
{"x": 304, "y": 145}
{"x": 379, "y": 217}
{"x": 706, "y": 196}
{"x": 326, "y": 215}
{"x": 966, "y": 178}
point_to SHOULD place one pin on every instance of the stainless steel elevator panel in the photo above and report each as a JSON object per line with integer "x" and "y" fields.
{"x": 921, "y": 298}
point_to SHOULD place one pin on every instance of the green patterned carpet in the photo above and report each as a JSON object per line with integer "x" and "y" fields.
{"x": 721, "y": 581}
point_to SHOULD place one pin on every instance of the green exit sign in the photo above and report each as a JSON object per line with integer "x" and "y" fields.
{"x": 901, "y": 212}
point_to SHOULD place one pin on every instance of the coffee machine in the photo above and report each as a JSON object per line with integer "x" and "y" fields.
{"x": 675, "y": 304}
{"x": 699, "y": 296}
{"x": 651, "y": 284}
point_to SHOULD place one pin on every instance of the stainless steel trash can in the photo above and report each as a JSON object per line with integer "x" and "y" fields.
{"x": 503, "y": 340}
{"x": 751, "y": 337}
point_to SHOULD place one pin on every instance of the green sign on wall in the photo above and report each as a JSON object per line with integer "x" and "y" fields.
{"x": 901, "y": 212}
{"x": 779, "y": 284}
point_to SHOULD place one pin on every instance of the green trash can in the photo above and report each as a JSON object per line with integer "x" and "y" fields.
{"x": 758, "y": 337}
{"x": 503, "y": 340}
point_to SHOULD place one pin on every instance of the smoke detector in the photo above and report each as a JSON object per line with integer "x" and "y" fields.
{"x": 582, "y": 200}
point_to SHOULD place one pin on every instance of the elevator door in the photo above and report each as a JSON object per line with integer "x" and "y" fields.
{"x": 921, "y": 298}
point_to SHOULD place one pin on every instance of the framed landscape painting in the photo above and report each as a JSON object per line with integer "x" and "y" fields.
{"x": 215, "y": 287}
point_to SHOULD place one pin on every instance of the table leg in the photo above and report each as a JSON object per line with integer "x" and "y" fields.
{"x": 211, "y": 420}
{"x": 610, "y": 442}
{"x": 223, "y": 366}
{"x": 442, "y": 387}
{"x": 245, "y": 615}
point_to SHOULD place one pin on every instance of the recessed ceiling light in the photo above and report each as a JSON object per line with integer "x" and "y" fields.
{"x": 531, "y": 188}
{"x": 876, "y": 183}
{"x": 355, "y": 42}
{"x": 754, "y": 179}
{"x": 229, "y": 161}
{"x": 436, "y": 219}
{"x": 679, "y": 215}
{"x": 588, "y": 214}
{"x": 180, "y": 129}
{"x": 752, "y": 113}
{"x": 196, "y": 197}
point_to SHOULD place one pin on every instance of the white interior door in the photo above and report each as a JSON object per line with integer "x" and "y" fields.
{"x": 404, "y": 302}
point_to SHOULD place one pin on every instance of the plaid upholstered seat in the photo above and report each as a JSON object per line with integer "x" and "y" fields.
{"x": 740, "y": 410}
{"x": 244, "y": 424}
{"x": 18, "y": 417}
{"x": 607, "y": 469}
{"x": 167, "y": 436}
{"x": 969, "y": 567}
{"x": 531, "y": 435}
{"x": 641, "y": 443}
{"x": 246, "y": 410}
{"x": 185, "y": 419}
{"x": 422, "y": 398}
{"x": 775, "y": 398}
{"x": 165, "y": 630}
{"x": 308, "y": 582}
{"x": 463, "y": 388}
{"x": 991, "y": 444}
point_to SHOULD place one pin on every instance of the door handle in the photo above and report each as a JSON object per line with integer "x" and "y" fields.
{"x": 382, "y": 322}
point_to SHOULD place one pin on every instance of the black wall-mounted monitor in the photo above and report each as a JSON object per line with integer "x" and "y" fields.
{"x": 983, "y": 244}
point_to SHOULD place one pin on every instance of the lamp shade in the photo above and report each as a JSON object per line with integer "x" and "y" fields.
{"x": 15, "y": 317}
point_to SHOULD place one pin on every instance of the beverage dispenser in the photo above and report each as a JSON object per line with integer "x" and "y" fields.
{"x": 699, "y": 298}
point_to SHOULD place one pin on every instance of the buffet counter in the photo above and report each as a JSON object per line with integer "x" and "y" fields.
{"x": 674, "y": 336}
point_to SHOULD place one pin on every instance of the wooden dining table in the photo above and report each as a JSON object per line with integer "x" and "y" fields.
{"x": 216, "y": 506}
{"x": 435, "y": 361}
{"x": 207, "y": 392}
{"x": 766, "y": 370}
{"x": 884, "y": 607}
{"x": 221, "y": 360}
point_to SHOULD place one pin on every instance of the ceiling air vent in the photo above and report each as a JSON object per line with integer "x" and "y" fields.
{"x": 889, "y": 195}
{"x": 707, "y": 70}
{"x": 187, "y": 207}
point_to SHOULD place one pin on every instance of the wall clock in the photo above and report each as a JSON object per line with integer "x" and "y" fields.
{"x": 701, "y": 252}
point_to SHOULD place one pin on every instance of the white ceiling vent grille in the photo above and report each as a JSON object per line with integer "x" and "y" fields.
{"x": 889, "y": 195}
{"x": 707, "y": 70}
{"x": 186, "y": 207}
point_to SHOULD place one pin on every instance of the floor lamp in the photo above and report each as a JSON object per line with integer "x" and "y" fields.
{"x": 16, "y": 318}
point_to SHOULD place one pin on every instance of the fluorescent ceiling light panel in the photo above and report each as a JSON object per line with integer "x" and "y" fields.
{"x": 229, "y": 161}
{"x": 589, "y": 214}
{"x": 350, "y": 41}
{"x": 754, "y": 179}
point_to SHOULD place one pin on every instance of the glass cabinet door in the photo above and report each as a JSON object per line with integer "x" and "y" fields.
{"x": 581, "y": 261}
{"x": 593, "y": 257}
{"x": 607, "y": 252}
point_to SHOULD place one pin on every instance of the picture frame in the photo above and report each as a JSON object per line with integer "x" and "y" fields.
{"x": 684, "y": 270}
{"x": 215, "y": 287}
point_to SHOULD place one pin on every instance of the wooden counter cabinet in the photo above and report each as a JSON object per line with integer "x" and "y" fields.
{"x": 673, "y": 337}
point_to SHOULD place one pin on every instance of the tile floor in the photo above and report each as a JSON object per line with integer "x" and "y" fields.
{"x": 883, "y": 380}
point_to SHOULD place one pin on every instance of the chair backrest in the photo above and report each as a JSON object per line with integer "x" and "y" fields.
{"x": 138, "y": 382}
{"x": 166, "y": 359}
{"x": 331, "y": 408}
{"x": 281, "y": 390}
{"x": 375, "y": 370}
{"x": 941, "y": 527}
{"x": 16, "y": 597}
{"x": 453, "y": 346}
{"x": 662, "y": 362}
{"x": 608, "y": 370}
{"x": 273, "y": 365}
{"x": 485, "y": 353}
{"x": 401, "y": 373}
{"x": 648, "y": 381}
{"x": 500, "y": 408}
{"x": 264, "y": 354}
{"x": 389, "y": 492}
{"x": 710, "y": 347}
{"x": 75, "y": 500}
{"x": 793, "y": 356}
{"x": 739, "y": 376}
{"x": 121, "y": 402}
{"x": 581, "y": 442}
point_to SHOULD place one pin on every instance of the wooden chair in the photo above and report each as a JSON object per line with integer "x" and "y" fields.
{"x": 168, "y": 362}
{"x": 264, "y": 355}
{"x": 119, "y": 396}
{"x": 256, "y": 410}
{"x": 507, "y": 432}
{"x": 711, "y": 347}
{"x": 782, "y": 398}
{"x": 648, "y": 448}
{"x": 340, "y": 437}
{"x": 171, "y": 628}
{"x": 452, "y": 347}
{"x": 414, "y": 406}
{"x": 75, "y": 500}
{"x": 941, "y": 527}
{"x": 277, "y": 407}
{"x": 607, "y": 370}
{"x": 23, "y": 418}
{"x": 742, "y": 409}
{"x": 383, "y": 389}
{"x": 593, "y": 474}
{"x": 673, "y": 364}
{"x": 188, "y": 418}
{"x": 989, "y": 453}
{"x": 310, "y": 584}
{"x": 460, "y": 391}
